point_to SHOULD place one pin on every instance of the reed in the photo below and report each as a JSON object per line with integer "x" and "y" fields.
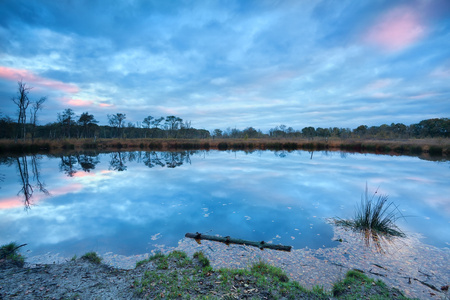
{"x": 11, "y": 252}
{"x": 375, "y": 215}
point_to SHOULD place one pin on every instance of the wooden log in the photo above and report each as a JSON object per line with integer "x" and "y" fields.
{"x": 227, "y": 240}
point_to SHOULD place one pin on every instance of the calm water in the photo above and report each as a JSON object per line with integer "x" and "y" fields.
{"x": 132, "y": 202}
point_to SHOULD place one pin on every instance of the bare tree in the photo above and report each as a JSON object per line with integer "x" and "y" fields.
{"x": 22, "y": 102}
{"x": 117, "y": 121}
{"x": 37, "y": 106}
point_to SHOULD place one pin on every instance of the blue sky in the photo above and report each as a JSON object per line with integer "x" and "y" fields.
{"x": 231, "y": 64}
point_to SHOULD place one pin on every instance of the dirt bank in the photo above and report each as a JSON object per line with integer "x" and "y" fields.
{"x": 170, "y": 276}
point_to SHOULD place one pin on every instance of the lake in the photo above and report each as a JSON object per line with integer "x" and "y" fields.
{"x": 131, "y": 203}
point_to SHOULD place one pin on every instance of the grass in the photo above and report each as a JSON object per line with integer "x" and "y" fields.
{"x": 375, "y": 217}
{"x": 378, "y": 215}
{"x": 203, "y": 260}
{"x": 11, "y": 252}
{"x": 434, "y": 147}
{"x": 92, "y": 257}
{"x": 197, "y": 280}
{"x": 357, "y": 286}
{"x": 175, "y": 275}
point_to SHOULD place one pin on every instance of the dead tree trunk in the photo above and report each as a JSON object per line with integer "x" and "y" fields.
{"x": 227, "y": 240}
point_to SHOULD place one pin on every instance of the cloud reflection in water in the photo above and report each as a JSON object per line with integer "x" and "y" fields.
{"x": 259, "y": 196}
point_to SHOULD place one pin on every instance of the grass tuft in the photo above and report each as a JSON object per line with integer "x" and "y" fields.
{"x": 375, "y": 214}
{"x": 11, "y": 252}
{"x": 92, "y": 257}
{"x": 203, "y": 260}
{"x": 266, "y": 269}
{"x": 375, "y": 218}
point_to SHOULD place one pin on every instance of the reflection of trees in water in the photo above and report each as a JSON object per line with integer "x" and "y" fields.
{"x": 151, "y": 159}
{"x": 167, "y": 159}
{"x": 27, "y": 189}
{"x": 71, "y": 164}
{"x": 68, "y": 165}
{"x": 87, "y": 162}
{"x": 117, "y": 162}
{"x": 176, "y": 159}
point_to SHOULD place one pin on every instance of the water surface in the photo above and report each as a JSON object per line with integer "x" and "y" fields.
{"x": 131, "y": 203}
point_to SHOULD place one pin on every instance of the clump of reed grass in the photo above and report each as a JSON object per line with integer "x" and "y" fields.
{"x": 92, "y": 257}
{"x": 375, "y": 217}
{"x": 11, "y": 252}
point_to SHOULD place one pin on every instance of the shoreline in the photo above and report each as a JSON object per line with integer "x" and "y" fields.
{"x": 408, "y": 264}
{"x": 430, "y": 149}
{"x": 173, "y": 276}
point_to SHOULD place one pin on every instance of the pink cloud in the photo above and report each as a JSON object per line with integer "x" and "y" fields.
{"x": 397, "y": 29}
{"x": 84, "y": 174}
{"x": 105, "y": 105}
{"x": 32, "y": 79}
{"x": 10, "y": 203}
{"x": 18, "y": 201}
{"x": 79, "y": 102}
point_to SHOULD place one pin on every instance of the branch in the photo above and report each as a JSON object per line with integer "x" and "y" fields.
{"x": 227, "y": 240}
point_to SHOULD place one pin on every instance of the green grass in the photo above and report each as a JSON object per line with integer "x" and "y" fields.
{"x": 92, "y": 257}
{"x": 11, "y": 252}
{"x": 170, "y": 282}
{"x": 203, "y": 260}
{"x": 197, "y": 280}
{"x": 376, "y": 216}
{"x": 177, "y": 276}
{"x": 357, "y": 286}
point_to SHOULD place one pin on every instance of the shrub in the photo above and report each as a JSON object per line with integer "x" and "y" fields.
{"x": 11, "y": 252}
{"x": 222, "y": 146}
{"x": 435, "y": 150}
{"x": 92, "y": 257}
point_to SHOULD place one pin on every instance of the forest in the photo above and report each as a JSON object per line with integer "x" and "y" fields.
{"x": 69, "y": 125}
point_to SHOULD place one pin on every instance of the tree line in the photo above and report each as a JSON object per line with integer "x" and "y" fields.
{"x": 70, "y": 125}
{"x": 430, "y": 128}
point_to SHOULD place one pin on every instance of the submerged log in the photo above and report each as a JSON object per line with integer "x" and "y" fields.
{"x": 227, "y": 240}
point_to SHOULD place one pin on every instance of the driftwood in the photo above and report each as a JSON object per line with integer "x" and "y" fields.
{"x": 227, "y": 240}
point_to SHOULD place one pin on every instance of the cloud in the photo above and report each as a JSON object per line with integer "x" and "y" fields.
{"x": 32, "y": 79}
{"x": 79, "y": 102}
{"x": 240, "y": 64}
{"x": 397, "y": 29}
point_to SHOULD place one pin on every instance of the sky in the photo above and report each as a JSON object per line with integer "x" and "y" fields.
{"x": 230, "y": 64}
